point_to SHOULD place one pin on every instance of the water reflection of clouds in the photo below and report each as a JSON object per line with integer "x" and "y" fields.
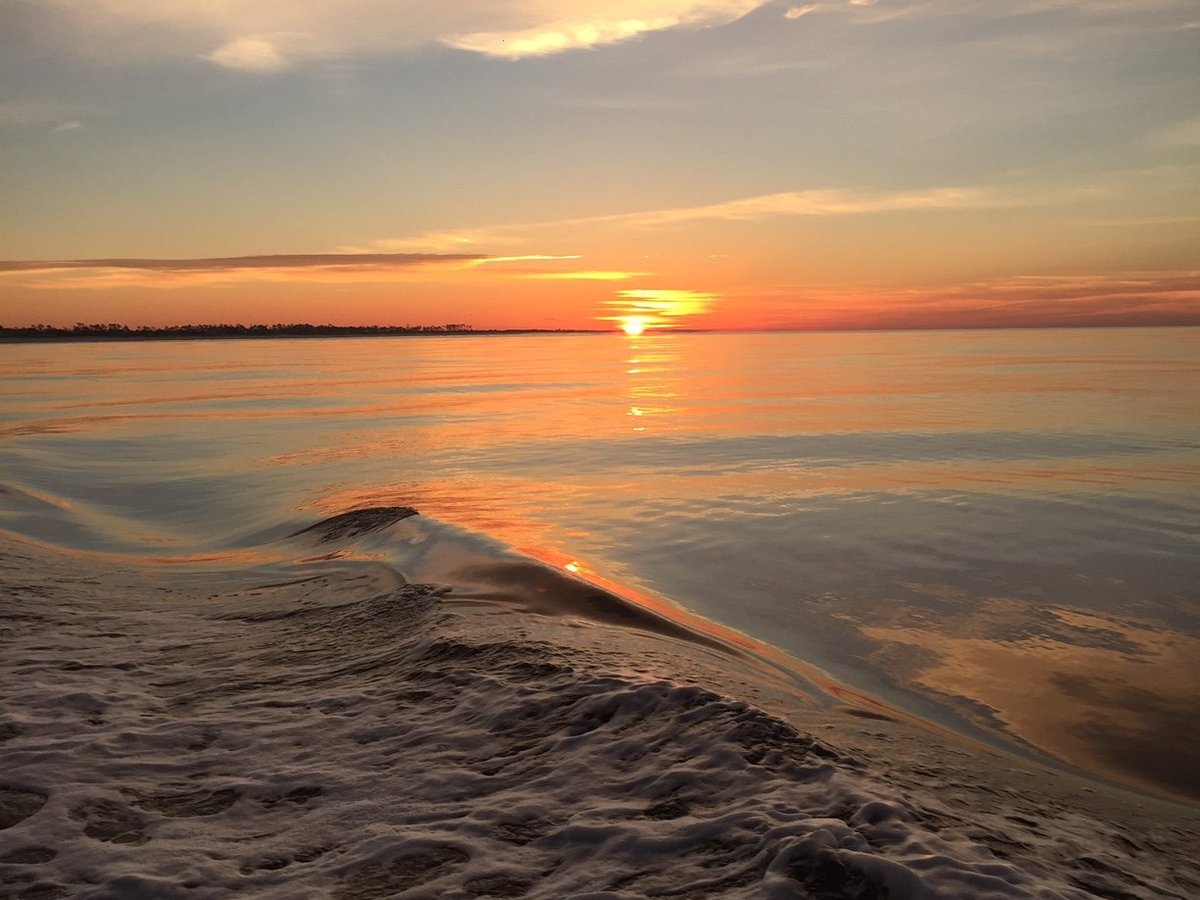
{"x": 1109, "y": 694}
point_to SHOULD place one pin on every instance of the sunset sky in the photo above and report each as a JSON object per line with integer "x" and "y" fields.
{"x": 582, "y": 163}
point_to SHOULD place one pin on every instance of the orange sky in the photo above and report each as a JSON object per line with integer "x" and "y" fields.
{"x": 676, "y": 163}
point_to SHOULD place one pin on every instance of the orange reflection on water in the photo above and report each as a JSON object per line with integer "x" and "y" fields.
{"x": 645, "y": 600}
{"x": 770, "y": 661}
{"x": 766, "y": 383}
{"x": 1112, "y": 695}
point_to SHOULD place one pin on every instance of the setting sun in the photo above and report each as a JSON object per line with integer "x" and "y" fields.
{"x": 633, "y": 326}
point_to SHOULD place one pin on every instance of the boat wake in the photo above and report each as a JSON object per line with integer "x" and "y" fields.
{"x": 348, "y": 732}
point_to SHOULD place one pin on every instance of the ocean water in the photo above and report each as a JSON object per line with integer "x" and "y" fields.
{"x": 347, "y": 734}
{"x": 997, "y": 533}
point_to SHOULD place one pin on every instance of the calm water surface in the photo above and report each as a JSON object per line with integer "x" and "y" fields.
{"x": 998, "y": 531}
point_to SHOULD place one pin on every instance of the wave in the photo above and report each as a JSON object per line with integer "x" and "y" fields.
{"x": 346, "y": 731}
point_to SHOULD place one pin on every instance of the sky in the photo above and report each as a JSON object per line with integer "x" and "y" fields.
{"x": 726, "y": 164}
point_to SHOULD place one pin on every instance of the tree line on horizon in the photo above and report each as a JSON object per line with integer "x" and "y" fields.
{"x": 117, "y": 331}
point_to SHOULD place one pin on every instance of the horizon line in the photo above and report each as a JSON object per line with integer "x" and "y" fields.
{"x": 121, "y": 331}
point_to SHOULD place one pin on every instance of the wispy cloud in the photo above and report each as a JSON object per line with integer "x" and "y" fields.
{"x": 875, "y": 11}
{"x": 583, "y": 275}
{"x": 818, "y": 203}
{"x": 530, "y": 257}
{"x": 651, "y": 308}
{"x": 444, "y": 242}
{"x": 1028, "y": 301}
{"x": 884, "y": 12}
{"x": 269, "y": 35}
{"x": 810, "y": 203}
{"x": 105, "y": 273}
{"x": 582, "y": 25}
{"x": 248, "y": 54}
{"x": 235, "y": 263}
{"x": 324, "y": 267}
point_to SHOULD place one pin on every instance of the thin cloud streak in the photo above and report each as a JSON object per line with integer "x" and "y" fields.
{"x": 1030, "y": 301}
{"x": 327, "y": 267}
{"x": 813, "y": 203}
{"x": 818, "y": 203}
{"x": 99, "y": 274}
{"x": 873, "y": 13}
{"x": 585, "y": 275}
{"x": 532, "y": 257}
{"x": 231, "y": 263}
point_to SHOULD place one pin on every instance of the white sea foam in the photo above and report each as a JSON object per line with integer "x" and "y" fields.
{"x": 351, "y": 737}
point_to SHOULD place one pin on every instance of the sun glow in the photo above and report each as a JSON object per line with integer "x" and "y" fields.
{"x": 646, "y": 309}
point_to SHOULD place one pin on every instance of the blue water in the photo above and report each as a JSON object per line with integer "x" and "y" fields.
{"x": 997, "y": 531}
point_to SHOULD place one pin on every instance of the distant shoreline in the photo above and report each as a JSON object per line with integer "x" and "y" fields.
{"x": 38, "y": 335}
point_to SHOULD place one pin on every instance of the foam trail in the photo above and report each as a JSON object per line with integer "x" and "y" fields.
{"x": 348, "y": 735}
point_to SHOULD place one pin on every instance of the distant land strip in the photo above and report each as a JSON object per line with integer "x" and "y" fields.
{"x": 117, "y": 332}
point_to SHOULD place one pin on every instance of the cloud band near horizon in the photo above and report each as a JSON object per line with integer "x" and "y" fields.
{"x": 233, "y": 263}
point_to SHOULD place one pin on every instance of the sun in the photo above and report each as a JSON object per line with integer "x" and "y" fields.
{"x": 633, "y": 326}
